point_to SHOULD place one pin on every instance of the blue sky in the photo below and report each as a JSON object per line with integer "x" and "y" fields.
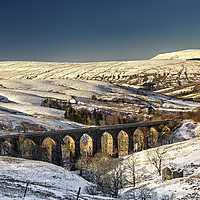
{"x": 96, "y": 30}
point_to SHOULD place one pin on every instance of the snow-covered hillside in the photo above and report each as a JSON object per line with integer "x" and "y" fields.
{"x": 184, "y": 155}
{"x": 46, "y": 181}
{"x": 183, "y": 55}
{"x": 188, "y": 91}
{"x": 162, "y": 73}
{"x": 20, "y": 101}
{"x": 110, "y": 86}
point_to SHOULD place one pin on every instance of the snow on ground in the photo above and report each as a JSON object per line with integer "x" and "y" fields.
{"x": 20, "y": 100}
{"x": 188, "y": 130}
{"x": 180, "y": 91}
{"x": 24, "y": 84}
{"x": 183, "y": 55}
{"x": 46, "y": 181}
{"x": 136, "y": 73}
{"x": 184, "y": 155}
{"x": 192, "y": 96}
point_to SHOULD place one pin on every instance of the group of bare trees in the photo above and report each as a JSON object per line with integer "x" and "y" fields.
{"x": 112, "y": 174}
{"x": 106, "y": 172}
{"x": 97, "y": 117}
{"x": 157, "y": 158}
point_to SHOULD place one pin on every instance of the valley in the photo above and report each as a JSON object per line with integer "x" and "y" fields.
{"x": 36, "y": 97}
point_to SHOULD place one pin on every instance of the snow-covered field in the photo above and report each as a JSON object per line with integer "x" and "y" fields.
{"x": 20, "y": 100}
{"x": 48, "y": 181}
{"x": 184, "y": 155}
{"x": 24, "y": 85}
{"x": 45, "y": 181}
{"x": 163, "y": 72}
{"x": 188, "y": 91}
{"x": 183, "y": 55}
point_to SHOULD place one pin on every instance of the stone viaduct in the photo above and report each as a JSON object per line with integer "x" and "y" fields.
{"x": 95, "y": 133}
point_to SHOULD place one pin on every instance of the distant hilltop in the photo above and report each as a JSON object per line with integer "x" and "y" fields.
{"x": 161, "y": 72}
{"x": 189, "y": 54}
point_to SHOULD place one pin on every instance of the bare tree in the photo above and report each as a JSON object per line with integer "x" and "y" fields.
{"x": 83, "y": 164}
{"x": 156, "y": 158}
{"x": 131, "y": 167}
{"x": 106, "y": 172}
{"x": 113, "y": 180}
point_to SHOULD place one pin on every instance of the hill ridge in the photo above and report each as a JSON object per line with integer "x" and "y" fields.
{"x": 182, "y": 54}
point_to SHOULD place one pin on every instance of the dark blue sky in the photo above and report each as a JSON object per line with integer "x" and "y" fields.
{"x": 96, "y": 30}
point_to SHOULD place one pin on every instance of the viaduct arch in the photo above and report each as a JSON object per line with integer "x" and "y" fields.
{"x": 58, "y": 139}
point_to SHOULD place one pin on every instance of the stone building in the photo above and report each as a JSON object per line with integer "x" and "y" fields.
{"x": 170, "y": 173}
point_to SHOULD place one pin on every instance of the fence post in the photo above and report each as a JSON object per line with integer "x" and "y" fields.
{"x": 79, "y": 190}
{"x": 26, "y": 190}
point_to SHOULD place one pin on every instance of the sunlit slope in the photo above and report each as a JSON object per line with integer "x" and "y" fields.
{"x": 163, "y": 73}
{"x": 183, "y": 55}
{"x": 183, "y": 155}
{"x": 21, "y": 100}
{"x": 188, "y": 91}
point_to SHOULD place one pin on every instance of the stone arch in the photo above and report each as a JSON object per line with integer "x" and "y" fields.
{"x": 153, "y": 136}
{"x": 86, "y": 145}
{"x": 6, "y": 148}
{"x": 123, "y": 143}
{"x": 48, "y": 149}
{"x": 68, "y": 148}
{"x": 166, "y": 130}
{"x": 165, "y": 135}
{"x": 28, "y": 148}
{"x": 107, "y": 143}
{"x": 138, "y": 140}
